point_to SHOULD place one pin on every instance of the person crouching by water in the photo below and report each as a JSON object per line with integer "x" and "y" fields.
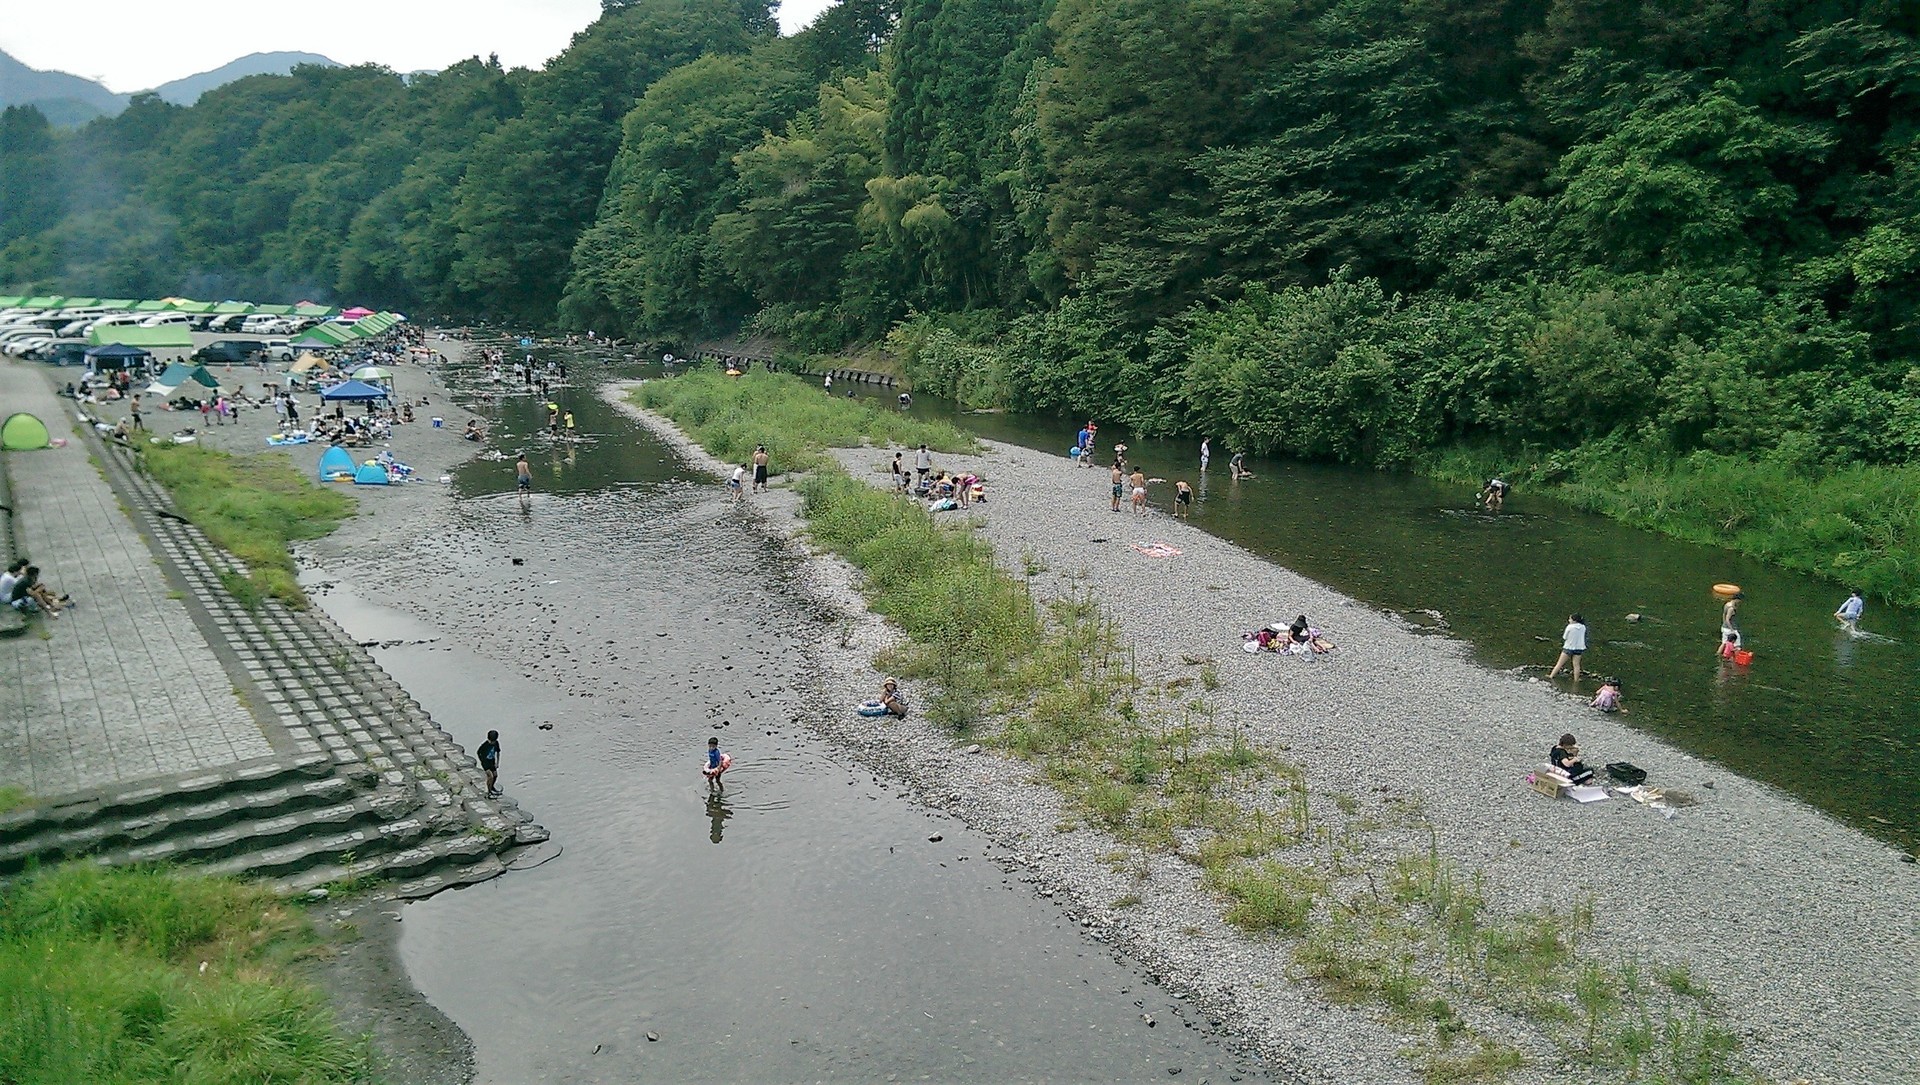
{"x": 1608, "y": 698}
{"x": 891, "y": 700}
{"x": 717, "y": 763}
{"x": 1493, "y": 495}
{"x": 1566, "y": 758}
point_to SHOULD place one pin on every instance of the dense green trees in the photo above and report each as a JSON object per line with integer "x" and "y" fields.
{"x": 1352, "y": 229}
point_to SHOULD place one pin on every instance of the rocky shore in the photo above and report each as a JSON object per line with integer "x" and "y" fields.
{"x": 1777, "y": 908}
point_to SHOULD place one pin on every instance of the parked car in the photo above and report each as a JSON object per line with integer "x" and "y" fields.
{"x": 226, "y": 322}
{"x": 229, "y": 351}
{"x": 63, "y": 353}
{"x": 164, "y": 320}
{"x": 280, "y": 350}
{"x": 265, "y": 324}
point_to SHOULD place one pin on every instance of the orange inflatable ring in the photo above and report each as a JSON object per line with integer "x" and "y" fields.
{"x": 1726, "y": 589}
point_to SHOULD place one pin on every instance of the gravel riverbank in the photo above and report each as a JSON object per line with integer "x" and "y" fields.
{"x": 1805, "y": 929}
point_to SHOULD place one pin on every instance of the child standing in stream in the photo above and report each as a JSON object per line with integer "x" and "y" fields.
{"x": 717, "y": 763}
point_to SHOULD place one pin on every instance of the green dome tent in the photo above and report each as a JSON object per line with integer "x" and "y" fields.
{"x": 21, "y": 432}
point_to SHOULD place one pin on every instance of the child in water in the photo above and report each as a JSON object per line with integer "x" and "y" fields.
{"x": 1608, "y": 699}
{"x": 717, "y": 763}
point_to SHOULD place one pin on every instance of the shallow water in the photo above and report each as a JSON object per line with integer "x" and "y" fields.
{"x": 1829, "y": 717}
{"x": 799, "y": 926}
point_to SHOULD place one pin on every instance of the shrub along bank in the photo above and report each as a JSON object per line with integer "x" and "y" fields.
{"x": 1149, "y": 765}
{"x": 120, "y": 977}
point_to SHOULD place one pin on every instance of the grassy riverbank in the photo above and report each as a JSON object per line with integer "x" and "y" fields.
{"x": 253, "y": 507}
{"x": 1148, "y": 764}
{"x": 1858, "y": 526}
{"x": 729, "y": 416}
{"x": 156, "y": 976}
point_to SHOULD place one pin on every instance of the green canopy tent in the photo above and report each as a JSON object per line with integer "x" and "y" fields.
{"x": 76, "y": 303}
{"x": 116, "y": 303}
{"x": 11, "y": 301}
{"x": 193, "y": 307}
{"x": 149, "y": 307}
{"x": 22, "y": 432}
{"x": 227, "y": 307}
{"x": 165, "y": 336}
{"x": 274, "y": 310}
{"x": 54, "y": 301}
{"x": 308, "y": 308}
{"x": 322, "y": 335}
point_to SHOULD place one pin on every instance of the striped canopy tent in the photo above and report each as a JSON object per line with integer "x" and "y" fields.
{"x": 274, "y": 310}
{"x": 54, "y": 301}
{"x": 11, "y": 301}
{"x": 233, "y": 307}
{"x": 311, "y": 308}
{"x": 150, "y": 306}
{"x": 322, "y": 335}
{"x": 357, "y": 312}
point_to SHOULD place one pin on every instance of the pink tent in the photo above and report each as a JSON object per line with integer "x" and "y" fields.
{"x": 357, "y": 312}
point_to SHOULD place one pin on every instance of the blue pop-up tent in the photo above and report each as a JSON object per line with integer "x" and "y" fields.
{"x": 371, "y": 474}
{"x": 353, "y": 391}
{"x": 334, "y": 463}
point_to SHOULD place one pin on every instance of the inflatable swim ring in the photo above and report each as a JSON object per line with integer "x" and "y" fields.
{"x": 1726, "y": 589}
{"x": 871, "y": 708}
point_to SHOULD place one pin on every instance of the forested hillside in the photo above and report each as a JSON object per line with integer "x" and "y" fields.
{"x": 1594, "y": 242}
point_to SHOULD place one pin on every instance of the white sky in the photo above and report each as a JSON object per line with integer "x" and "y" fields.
{"x": 138, "y": 44}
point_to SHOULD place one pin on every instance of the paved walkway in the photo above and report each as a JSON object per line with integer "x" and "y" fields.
{"x": 125, "y": 687}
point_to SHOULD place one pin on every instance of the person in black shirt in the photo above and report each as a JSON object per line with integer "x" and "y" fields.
{"x": 1566, "y": 758}
{"x": 489, "y": 755}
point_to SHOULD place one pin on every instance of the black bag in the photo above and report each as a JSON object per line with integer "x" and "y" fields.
{"x": 1627, "y": 774}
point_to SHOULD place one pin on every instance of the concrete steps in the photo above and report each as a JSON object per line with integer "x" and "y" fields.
{"x": 368, "y": 788}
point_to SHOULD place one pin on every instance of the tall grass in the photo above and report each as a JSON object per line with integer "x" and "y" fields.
{"x": 729, "y": 416}
{"x": 251, "y": 506}
{"x": 1858, "y": 525}
{"x": 125, "y": 976}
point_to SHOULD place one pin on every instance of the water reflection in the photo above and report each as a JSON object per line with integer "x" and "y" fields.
{"x": 718, "y": 812}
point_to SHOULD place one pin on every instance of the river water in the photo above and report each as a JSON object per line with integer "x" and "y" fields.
{"x": 1829, "y": 717}
{"x": 809, "y": 924}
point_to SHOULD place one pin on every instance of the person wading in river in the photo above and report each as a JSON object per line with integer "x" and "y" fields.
{"x": 523, "y": 476}
{"x": 1573, "y": 645}
{"x": 759, "y": 468}
{"x": 1730, "y": 625}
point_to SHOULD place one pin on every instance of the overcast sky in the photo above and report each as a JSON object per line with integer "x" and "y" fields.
{"x": 138, "y": 44}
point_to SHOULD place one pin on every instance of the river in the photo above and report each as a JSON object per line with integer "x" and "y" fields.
{"x": 809, "y": 923}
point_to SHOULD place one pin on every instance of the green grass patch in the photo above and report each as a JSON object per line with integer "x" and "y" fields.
{"x": 729, "y": 416}
{"x": 251, "y": 506}
{"x": 13, "y": 798}
{"x": 1268, "y": 896}
{"x": 105, "y": 982}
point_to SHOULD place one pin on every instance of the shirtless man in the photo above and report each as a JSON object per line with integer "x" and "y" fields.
{"x": 1138, "y": 480}
{"x": 1119, "y": 483}
{"x": 759, "y": 468}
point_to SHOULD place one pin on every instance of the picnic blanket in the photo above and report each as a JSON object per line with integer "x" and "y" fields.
{"x": 1156, "y": 550}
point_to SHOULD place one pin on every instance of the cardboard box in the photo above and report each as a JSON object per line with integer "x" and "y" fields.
{"x": 1548, "y": 786}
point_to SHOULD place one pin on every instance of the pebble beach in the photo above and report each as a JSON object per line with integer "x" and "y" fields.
{"x": 1805, "y": 929}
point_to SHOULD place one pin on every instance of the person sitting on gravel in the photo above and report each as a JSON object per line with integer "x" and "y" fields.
{"x": 1566, "y": 758}
{"x": 890, "y": 699}
{"x": 474, "y": 432}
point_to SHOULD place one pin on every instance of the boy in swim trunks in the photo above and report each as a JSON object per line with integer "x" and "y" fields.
{"x": 1138, "y": 480}
{"x": 717, "y": 763}
{"x": 1182, "y": 500}
{"x": 1119, "y": 484}
{"x": 759, "y": 468}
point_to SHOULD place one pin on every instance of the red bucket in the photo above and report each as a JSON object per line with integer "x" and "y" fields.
{"x": 1742, "y": 657}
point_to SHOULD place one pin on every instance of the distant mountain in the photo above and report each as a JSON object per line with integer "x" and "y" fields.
{"x": 64, "y": 98}
{"x": 188, "y": 91}
{"x": 69, "y": 100}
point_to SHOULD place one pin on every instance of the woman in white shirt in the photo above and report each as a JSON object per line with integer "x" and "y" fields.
{"x": 1573, "y": 644}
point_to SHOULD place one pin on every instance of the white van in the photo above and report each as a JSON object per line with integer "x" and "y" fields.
{"x": 264, "y": 324}
{"x": 165, "y": 320}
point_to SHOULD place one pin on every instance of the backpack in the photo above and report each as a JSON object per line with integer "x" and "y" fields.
{"x": 1627, "y": 774}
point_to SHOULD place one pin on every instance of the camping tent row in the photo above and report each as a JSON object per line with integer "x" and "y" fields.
{"x": 169, "y": 305}
{"x": 166, "y": 337}
{"x": 336, "y": 334}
